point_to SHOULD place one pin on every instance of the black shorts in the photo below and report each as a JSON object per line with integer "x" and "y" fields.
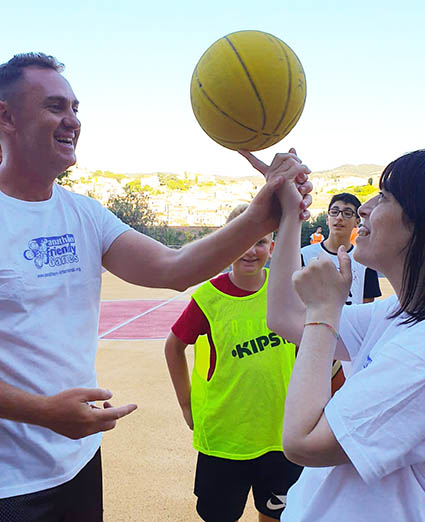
{"x": 222, "y": 485}
{"x": 78, "y": 500}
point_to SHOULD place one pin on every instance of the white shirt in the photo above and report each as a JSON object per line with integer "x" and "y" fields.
{"x": 357, "y": 270}
{"x": 50, "y": 278}
{"x": 378, "y": 417}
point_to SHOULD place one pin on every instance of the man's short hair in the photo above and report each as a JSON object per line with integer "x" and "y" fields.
{"x": 11, "y": 72}
{"x": 346, "y": 197}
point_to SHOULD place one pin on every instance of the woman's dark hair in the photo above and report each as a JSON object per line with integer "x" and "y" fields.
{"x": 11, "y": 72}
{"x": 404, "y": 178}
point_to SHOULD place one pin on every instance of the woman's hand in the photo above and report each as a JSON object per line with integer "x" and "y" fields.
{"x": 321, "y": 286}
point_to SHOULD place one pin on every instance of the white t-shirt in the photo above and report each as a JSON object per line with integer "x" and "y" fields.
{"x": 358, "y": 272}
{"x": 50, "y": 277}
{"x": 378, "y": 418}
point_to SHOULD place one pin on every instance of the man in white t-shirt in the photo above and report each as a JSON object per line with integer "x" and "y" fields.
{"x": 52, "y": 249}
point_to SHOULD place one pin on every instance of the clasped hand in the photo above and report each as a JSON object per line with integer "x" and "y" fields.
{"x": 288, "y": 170}
{"x": 321, "y": 285}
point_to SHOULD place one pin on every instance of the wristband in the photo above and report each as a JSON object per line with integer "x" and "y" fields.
{"x": 318, "y": 323}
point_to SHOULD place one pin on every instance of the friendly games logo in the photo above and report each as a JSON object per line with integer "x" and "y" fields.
{"x": 52, "y": 251}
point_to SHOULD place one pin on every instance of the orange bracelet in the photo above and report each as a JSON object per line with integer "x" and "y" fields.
{"x": 324, "y": 324}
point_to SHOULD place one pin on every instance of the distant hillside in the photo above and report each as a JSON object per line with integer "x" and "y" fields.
{"x": 195, "y": 199}
{"x": 363, "y": 171}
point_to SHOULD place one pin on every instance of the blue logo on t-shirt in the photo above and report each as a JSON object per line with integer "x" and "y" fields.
{"x": 367, "y": 362}
{"x": 52, "y": 251}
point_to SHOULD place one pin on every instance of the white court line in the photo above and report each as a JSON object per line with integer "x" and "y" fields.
{"x": 125, "y": 323}
{"x": 133, "y": 339}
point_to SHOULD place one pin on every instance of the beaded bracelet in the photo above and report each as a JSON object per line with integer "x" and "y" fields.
{"x": 336, "y": 334}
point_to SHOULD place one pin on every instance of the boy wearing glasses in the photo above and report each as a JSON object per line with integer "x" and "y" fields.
{"x": 342, "y": 218}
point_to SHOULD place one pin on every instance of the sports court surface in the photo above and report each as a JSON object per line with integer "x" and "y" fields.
{"x": 148, "y": 459}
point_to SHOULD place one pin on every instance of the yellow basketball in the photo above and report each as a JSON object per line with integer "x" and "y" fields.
{"x": 248, "y": 90}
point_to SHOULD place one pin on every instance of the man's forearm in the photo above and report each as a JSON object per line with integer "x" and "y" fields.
{"x": 70, "y": 413}
{"x": 19, "y": 405}
{"x": 206, "y": 257}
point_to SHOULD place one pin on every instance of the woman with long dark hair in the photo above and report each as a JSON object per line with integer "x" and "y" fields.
{"x": 363, "y": 448}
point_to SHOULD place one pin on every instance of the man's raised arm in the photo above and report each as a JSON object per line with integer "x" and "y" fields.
{"x": 141, "y": 260}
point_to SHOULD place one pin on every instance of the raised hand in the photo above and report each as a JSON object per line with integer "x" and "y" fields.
{"x": 70, "y": 413}
{"x": 294, "y": 187}
{"x": 321, "y": 286}
{"x": 263, "y": 167}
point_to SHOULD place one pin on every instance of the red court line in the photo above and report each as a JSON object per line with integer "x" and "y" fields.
{"x": 154, "y": 325}
{"x": 114, "y": 313}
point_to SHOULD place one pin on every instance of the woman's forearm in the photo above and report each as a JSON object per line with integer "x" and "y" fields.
{"x": 310, "y": 386}
{"x": 307, "y": 437}
{"x": 285, "y": 310}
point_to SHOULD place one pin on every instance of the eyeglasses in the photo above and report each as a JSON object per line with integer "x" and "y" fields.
{"x": 347, "y": 213}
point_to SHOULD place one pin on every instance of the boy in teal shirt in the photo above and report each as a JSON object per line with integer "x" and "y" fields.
{"x": 235, "y": 403}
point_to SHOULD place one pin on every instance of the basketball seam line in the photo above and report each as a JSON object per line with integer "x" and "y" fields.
{"x": 288, "y": 94}
{"x": 219, "y": 109}
{"x": 251, "y": 81}
{"x": 236, "y": 142}
{"x": 294, "y": 120}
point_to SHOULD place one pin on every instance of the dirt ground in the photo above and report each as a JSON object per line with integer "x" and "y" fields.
{"x": 148, "y": 459}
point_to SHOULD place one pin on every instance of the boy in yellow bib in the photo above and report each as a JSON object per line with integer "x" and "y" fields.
{"x": 235, "y": 403}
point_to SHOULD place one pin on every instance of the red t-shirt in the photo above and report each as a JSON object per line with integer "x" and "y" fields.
{"x": 192, "y": 322}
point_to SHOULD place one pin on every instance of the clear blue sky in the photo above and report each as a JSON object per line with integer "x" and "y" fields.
{"x": 130, "y": 64}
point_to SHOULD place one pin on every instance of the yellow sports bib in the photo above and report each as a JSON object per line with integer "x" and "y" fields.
{"x": 238, "y": 413}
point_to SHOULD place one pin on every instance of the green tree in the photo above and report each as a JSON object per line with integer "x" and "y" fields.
{"x": 134, "y": 186}
{"x": 170, "y": 237}
{"x": 133, "y": 208}
{"x": 363, "y": 192}
{"x": 64, "y": 179}
{"x": 174, "y": 182}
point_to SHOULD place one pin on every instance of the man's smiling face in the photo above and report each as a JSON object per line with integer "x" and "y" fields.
{"x": 46, "y": 127}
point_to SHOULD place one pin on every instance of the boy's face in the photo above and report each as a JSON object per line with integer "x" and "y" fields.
{"x": 340, "y": 225}
{"x": 254, "y": 259}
